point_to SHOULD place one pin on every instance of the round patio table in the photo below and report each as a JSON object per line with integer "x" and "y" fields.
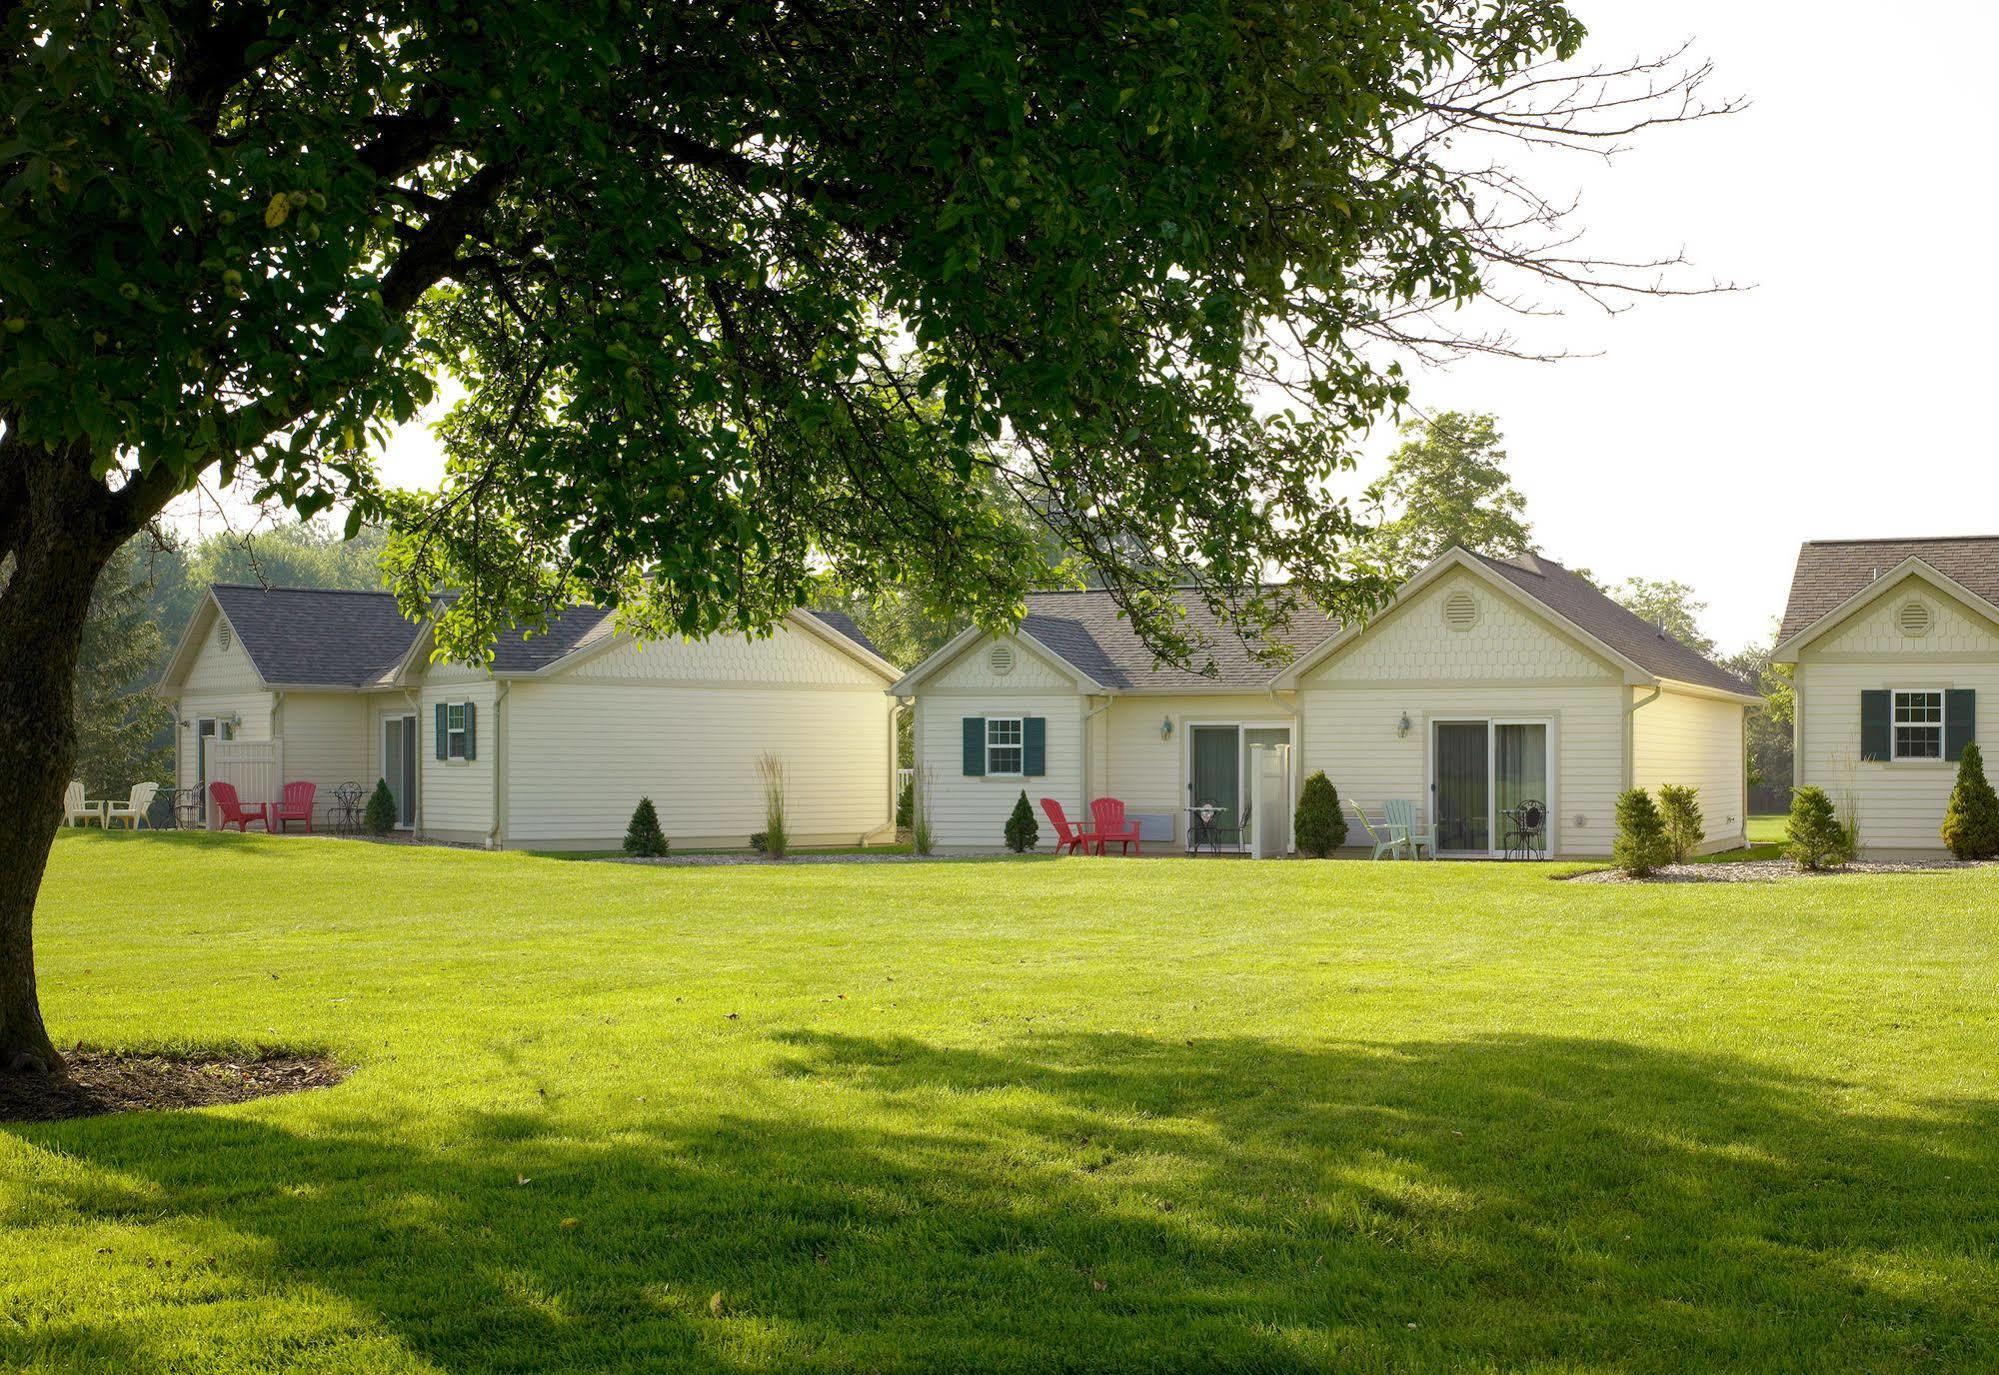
{"x": 1201, "y": 828}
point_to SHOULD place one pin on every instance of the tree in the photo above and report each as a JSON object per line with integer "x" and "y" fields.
{"x": 119, "y": 722}
{"x": 1817, "y": 838}
{"x": 1680, "y": 814}
{"x": 1641, "y": 845}
{"x": 379, "y": 817}
{"x": 1769, "y": 727}
{"x": 749, "y": 299}
{"x": 1672, "y": 606}
{"x": 1023, "y": 833}
{"x": 1449, "y": 484}
{"x": 1971, "y": 820}
{"x": 1318, "y": 825}
{"x": 643, "y": 837}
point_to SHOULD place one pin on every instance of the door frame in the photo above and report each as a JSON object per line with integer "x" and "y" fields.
{"x": 1240, "y": 726}
{"x": 407, "y": 719}
{"x": 1550, "y": 735}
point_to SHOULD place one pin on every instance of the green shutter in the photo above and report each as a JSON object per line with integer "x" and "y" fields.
{"x": 471, "y": 733}
{"x": 1874, "y": 724}
{"x": 1033, "y": 746}
{"x": 975, "y": 747}
{"x": 440, "y": 730}
{"x": 1960, "y": 721}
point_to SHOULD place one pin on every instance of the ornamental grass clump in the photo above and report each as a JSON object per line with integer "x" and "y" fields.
{"x": 1641, "y": 846}
{"x": 777, "y": 840}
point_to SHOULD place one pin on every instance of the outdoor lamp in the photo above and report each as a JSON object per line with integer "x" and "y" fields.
{"x": 1403, "y": 728}
{"x": 1165, "y": 727}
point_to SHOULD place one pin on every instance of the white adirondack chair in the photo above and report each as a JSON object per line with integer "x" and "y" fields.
{"x": 133, "y": 810}
{"x": 77, "y": 810}
{"x": 1387, "y": 841}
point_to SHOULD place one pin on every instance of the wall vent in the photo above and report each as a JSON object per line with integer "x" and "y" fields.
{"x": 1914, "y": 618}
{"x": 222, "y": 635}
{"x": 1000, "y": 660}
{"x": 1461, "y": 611}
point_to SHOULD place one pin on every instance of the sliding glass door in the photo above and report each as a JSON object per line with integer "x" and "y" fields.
{"x": 1482, "y": 773}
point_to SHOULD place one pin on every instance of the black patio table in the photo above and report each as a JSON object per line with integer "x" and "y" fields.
{"x": 1201, "y": 829}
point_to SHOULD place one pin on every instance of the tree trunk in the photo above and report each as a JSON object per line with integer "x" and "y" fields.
{"x": 58, "y": 537}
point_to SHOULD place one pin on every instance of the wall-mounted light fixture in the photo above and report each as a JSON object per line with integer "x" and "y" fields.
{"x": 1166, "y": 728}
{"x": 1403, "y": 727}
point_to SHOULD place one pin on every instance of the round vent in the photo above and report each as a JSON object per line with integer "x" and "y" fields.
{"x": 1461, "y": 611}
{"x": 1914, "y": 618}
{"x": 1001, "y": 660}
{"x": 222, "y": 635}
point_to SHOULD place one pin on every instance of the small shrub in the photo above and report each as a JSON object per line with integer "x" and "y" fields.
{"x": 759, "y": 842}
{"x": 380, "y": 815}
{"x": 643, "y": 838}
{"x": 1971, "y": 821}
{"x": 1818, "y": 839}
{"x": 1022, "y": 832}
{"x": 777, "y": 840}
{"x": 1641, "y": 845}
{"x": 905, "y": 803}
{"x": 1680, "y": 810}
{"x": 1318, "y": 826}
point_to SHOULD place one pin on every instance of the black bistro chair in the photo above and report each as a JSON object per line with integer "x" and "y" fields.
{"x": 1238, "y": 834}
{"x": 1526, "y": 830}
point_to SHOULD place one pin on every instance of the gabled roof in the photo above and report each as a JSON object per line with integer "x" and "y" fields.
{"x": 317, "y": 637}
{"x": 1086, "y": 630}
{"x": 1831, "y": 572}
{"x": 846, "y": 625}
{"x": 1588, "y": 608}
{"x": 307, "y": 636}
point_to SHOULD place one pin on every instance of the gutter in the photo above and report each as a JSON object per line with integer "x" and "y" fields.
{"x": 496, "y": 833}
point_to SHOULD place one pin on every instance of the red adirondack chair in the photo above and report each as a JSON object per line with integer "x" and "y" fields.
{"x": 1109, "y": 814}
{"x": 1067, "y": 837}
{"x": 234, "y": 813}
{"x": 297, "y": 806}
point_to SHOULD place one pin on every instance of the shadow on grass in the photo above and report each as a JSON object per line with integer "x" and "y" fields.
{"x": 1110, "y": 1202}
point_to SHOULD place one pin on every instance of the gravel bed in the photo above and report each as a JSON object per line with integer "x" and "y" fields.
{"x": 1773, "y": 871}
{"x": 690, "y": 861}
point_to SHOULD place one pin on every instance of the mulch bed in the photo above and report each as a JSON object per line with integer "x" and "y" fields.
{"x": 95, "y": 1082}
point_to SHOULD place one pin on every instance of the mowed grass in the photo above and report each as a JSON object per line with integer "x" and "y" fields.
{"x": 1086, "y": 1115}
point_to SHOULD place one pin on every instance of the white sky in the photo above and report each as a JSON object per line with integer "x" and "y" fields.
{"x": 1713, "y": 434}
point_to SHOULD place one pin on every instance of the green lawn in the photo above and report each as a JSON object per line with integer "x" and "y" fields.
{"x": 1088, "y": 1115}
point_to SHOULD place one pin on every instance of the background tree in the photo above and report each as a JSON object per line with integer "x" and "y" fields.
{"x": 1771, "y": 771}
{"x": 120, "y": 723}
{"x": 1448, "y": 486}
{"x": 747, "y": 298}
{"x": 1672, "y": 606}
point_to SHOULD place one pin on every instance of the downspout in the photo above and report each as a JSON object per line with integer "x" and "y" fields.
{"x": 1631, "y": 734}
{"x": 416, "y": 710}
{"x": 496, "y": 837}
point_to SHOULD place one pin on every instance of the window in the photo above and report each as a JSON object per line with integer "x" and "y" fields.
{"x": 1919, "y": 725}
{"x": 1003, "y": 744}
{"x": 455, "y": 732}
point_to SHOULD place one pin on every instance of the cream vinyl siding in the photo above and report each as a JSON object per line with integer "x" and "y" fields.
{"x": 1875, "y": 631}
{"x": 456, "y": 794}
{"x": 580, "y": 754}
{"x": 1133, "y": 761}
{"x": 1511, "y": 664}
{"x": 1352, "y": 733}
{"x": 1901, "y": 804}
{"x": 1692, "y": 741}
{"x": 972, "y": 671}
{"x": 253, "y": 707}
{"x": 789, "y": 658}
{"x": 326, "y": 743}
{"x": 970, "y": 813}
{"x": 219, "y": 670}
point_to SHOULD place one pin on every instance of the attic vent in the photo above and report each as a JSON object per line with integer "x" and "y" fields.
{"x": 1001, "y": 660}
{"x": 1461, "y": 611}
{"x": 1914, "y": 618}
{"x": 222, "y": 635}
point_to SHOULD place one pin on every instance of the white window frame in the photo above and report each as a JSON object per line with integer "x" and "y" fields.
{"x": 1896, "y": 725}
{"x": 1018, "y": 745}
{"x": 455, "y": 734}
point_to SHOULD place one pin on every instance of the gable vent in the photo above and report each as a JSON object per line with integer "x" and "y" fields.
{"x": 222, "y": 635}
{"x": 1461, "y": 611}
{"x": 1000, "y": 660}
{"x": 1914, "y": 618}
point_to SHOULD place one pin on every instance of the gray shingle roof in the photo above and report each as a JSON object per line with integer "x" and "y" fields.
{"x": 1085, "y": 629}
{"x": 1831, "y": 571}
{"x": 1578, "y": 601}
{"x": 307, "y": 635}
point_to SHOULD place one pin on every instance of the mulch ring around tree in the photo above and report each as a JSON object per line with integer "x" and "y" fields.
{"x": 94, "y": 1082}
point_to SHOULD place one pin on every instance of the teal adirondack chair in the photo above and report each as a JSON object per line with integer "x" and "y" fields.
{"x": 1387, "y": 841}
{"x": 1401, "y": 817}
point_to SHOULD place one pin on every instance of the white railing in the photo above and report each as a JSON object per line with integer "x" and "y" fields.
{"x": 254, "y": 768}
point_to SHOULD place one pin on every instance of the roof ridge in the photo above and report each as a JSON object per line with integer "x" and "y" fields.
{"x": 1904, "y": 539}
{"x": 273, "y": 587}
